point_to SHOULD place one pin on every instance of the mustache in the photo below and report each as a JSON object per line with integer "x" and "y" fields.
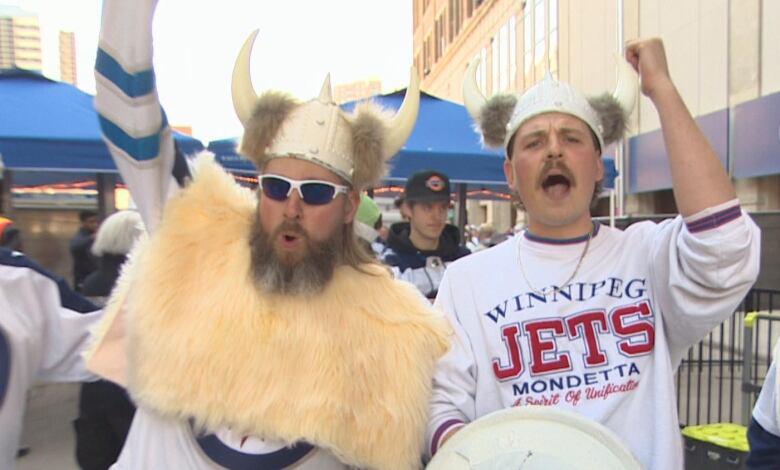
{"x": 290, "y": 226}
{"x": 549, "y": 166}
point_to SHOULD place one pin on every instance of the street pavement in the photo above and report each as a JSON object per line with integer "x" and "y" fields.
{"x": 48, "y": 428}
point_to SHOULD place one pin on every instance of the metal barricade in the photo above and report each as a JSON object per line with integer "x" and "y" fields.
{"x": 710, "y": 379}
{"x": 751, "y": 359}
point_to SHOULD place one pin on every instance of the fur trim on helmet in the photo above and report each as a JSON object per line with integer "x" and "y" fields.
{"x": 614, "y": 119}
{"x": 270, "y": 111}
{"x": 369, "y": 125}
{"x": 118, "y": 233}
{"x": 494, "y": 117}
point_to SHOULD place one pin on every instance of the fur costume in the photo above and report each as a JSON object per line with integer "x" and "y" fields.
{"x": 348, "y": 370}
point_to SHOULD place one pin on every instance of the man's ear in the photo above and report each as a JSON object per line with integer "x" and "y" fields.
{"x": 353, "y": 201}
{"x": 599, "y": 168}
{"x": 509, "y": 173}
{"x": 406, "y": 209}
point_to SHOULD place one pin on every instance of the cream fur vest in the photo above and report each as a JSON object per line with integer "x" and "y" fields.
{"x": 348, "y": 370}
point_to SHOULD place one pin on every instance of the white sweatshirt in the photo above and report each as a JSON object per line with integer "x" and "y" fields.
{"x": 607, "y": 345}
{"x": 44, "y": 328}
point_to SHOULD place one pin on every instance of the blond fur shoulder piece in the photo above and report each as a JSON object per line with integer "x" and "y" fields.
{"x": 349, "y": 370}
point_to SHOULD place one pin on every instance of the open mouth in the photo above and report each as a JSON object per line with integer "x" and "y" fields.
{"x": 289, "y": 239}
{"x": 556, "y": 185}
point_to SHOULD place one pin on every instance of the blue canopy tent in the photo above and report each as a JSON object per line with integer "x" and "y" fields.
{"x": 50, "y": 129}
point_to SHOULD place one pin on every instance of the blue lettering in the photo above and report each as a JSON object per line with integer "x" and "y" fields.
{"x": 500, "y": 312}
{"x": 518, "y": 307}
{"x": 556, "y": 383}
{"x": 573, "y": 381}
{"x": 633, "y": 369}
{"x": 595, "y": 287}
{"x": 566, "y": 293}
{"x": 581, "y": 297}
{"x": 614, "y": 288}
{"x": 539, "y": 386}
{"x": 520, "y": 389}
{"x": 639, "y": 292}
{"x": 540, "y": 298}
{"x": 590, "y": 378}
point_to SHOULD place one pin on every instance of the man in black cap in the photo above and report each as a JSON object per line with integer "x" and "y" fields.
{"x": 419, "y": 250}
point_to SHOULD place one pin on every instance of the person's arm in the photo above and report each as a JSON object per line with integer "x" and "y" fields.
{"x": 62, "y": 318}
{"x": 698, "y": 177}
{"x": 763, "y": 433}
{"x": 131, "y": 118}
{"x": 453, "y": 401}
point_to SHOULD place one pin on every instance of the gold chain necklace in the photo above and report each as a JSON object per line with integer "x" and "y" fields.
{"x": 555, "y": 289}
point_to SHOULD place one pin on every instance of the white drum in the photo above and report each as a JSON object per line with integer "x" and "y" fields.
{"x": 534, "y": 438}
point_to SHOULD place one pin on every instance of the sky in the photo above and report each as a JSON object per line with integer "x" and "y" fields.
{"x": 196, "y": 43}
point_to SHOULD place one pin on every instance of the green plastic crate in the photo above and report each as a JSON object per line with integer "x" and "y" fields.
{"x": 721, "y": 446}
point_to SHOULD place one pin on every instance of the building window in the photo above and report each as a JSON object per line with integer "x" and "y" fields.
{"x": 539, "y": 36}
{"x": 553, "y": 37}
{"x": 482, "y": 71}
{"x": 495, "y": 61}
{"x": 440, "y": 36}
{"x": 513, "y": 52}
{"x": 528, "y": 47}
{"x": 427, "y": 56}
{"x": 503, "y": 55}
{"x": 455, "y": 19}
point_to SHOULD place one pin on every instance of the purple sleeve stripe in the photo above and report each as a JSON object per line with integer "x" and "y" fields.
{"x": 714, "y": 220}
{"x": 442, "y": 429}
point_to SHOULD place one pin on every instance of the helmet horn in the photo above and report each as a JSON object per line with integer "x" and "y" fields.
{"x": 401, "y": 126}
{"x": 244, "y": 96}
{"x": 473, "y": 99}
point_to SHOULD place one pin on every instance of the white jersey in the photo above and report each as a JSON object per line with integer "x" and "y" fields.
{"x": 156, "y": 442}
{"x": 765, "y": 412}
{"x": 44, "y": 328}
{"x": 608, "y": 343}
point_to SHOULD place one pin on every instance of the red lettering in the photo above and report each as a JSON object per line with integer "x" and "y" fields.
{"x": 511, "y": 341}
{"x": 639, "y": 334}
{"x": 539, "y": 346}
{"x": 587, "y": 325}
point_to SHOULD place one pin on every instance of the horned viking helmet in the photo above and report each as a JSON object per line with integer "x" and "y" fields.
{"x": 499, "y": 117}
{"x": 356, "y": 146}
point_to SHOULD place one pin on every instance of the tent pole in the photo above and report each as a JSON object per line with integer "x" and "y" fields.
{"x": 612, "y": 208}
{"x": 462, "y": 215}
{"x": 105, "y": 188}
{"x": 6, "y": 197}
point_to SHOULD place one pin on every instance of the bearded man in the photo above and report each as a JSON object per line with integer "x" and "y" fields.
{"x": 584, "y": 317}
{"x": 252, "y": 330}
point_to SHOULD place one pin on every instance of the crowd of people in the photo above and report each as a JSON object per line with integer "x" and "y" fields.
{"x": 290, "y": 327}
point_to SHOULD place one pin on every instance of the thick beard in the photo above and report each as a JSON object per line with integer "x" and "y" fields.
{"x": 305, "y": 273}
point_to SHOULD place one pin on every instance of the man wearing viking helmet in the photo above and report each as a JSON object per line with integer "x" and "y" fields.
{"x": 580, "y": 316}
{"x": 251, "y": 330}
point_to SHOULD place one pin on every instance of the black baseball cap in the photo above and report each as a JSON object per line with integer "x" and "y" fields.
{"x": 427, "y": 186}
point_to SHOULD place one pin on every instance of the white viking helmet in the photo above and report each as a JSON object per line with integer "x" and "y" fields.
{"x": 502, "y": 115}
{"x": 355, "y": 147}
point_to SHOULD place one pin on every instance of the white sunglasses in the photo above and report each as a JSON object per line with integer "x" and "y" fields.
{"x": 312, "y": 192}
